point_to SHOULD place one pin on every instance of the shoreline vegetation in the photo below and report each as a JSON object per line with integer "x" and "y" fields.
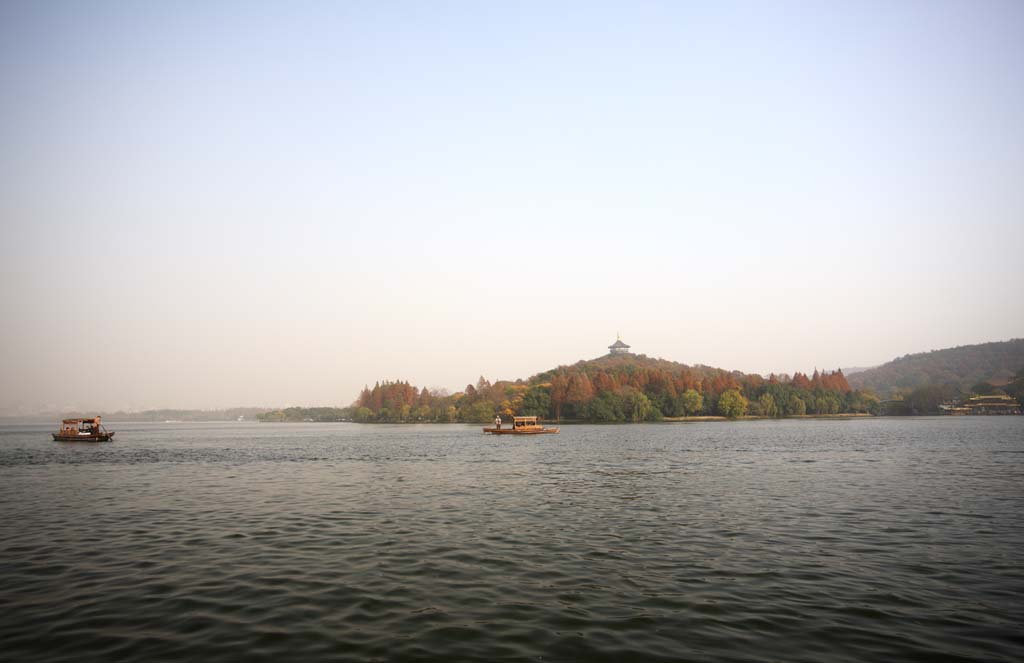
{"x": 615, "y": 388}
{"x": 344, "y": 415}
{"x": 144, "y": 416}
{"x": 625, "y": 387}
{"x": 628, "y": 388}
{"x": 619, "y": 388}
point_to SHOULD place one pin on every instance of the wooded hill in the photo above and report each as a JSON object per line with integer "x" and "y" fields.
{"x": 959, "y": 368}
{"x": 619, "y": 388}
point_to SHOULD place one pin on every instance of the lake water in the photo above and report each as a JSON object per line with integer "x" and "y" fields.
{"x": 864, "y": 540}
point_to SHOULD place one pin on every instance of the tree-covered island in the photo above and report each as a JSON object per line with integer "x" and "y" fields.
{"x": 618, "y": 387}
{"x": 625, "y": 387}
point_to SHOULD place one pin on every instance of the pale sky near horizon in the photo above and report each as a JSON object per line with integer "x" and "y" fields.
{"x": 215, "y": 204}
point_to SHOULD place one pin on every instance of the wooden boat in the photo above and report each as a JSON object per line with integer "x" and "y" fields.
{"x": 83, "y": 430}
{"x": 522, "y": 426}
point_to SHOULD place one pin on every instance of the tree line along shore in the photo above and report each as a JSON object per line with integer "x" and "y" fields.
{"x": 631, "y": 388}
{"x": 625, "y": 387}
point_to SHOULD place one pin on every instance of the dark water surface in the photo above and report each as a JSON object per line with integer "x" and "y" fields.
{"x": 867, "y": 540}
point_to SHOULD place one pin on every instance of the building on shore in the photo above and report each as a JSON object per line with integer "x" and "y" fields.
{"x": 995, "y": 404}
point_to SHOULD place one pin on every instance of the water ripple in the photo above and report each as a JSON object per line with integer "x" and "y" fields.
{"x": 796, "y": 541}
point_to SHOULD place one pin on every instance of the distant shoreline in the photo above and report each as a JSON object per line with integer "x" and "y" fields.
{"x": 846, "y": 415}
{"x": 573, "y": 422}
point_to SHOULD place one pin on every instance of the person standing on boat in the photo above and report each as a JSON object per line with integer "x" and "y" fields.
{"x": 497, "y": 422}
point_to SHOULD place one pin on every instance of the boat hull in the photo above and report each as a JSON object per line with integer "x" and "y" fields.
{"x": 102, "y": 437}
{"x": 511, "y": 431}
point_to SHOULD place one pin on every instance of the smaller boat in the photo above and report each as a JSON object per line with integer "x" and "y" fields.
{"x": 522, "y": 426}
{"x": 83, "y": 430}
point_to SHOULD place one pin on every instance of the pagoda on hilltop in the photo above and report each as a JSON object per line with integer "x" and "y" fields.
{"x": 618, "y": 347}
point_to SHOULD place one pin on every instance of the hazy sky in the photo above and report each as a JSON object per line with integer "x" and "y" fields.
{"x": 215, "y": 204}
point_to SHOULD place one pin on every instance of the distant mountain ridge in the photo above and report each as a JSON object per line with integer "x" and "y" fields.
{"x": 962, "y": 367}
{"x": 158, "y": 416}
{"x": 850, "y": 370}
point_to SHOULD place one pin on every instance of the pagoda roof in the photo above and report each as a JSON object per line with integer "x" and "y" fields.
{"x": 617, "y": 344}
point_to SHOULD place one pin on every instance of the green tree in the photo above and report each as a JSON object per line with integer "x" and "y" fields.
{"x": 636, "y": 406}
{"x": 862, "y": 401}
{"x": 731, "y": 404}
{"x": 691, "y": 402}
{"x": 536, "y": 402}
{"x": 796, "y": 406}
{"x": 768, "y": 406}
{"x": 479, "y": 412}
{"x": 827, "y": 402}
{"x": 607, "y": 407}
{"x": 362, "y": 415}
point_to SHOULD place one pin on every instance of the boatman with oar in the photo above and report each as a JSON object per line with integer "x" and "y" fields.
{"x": 497, "y": 421}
